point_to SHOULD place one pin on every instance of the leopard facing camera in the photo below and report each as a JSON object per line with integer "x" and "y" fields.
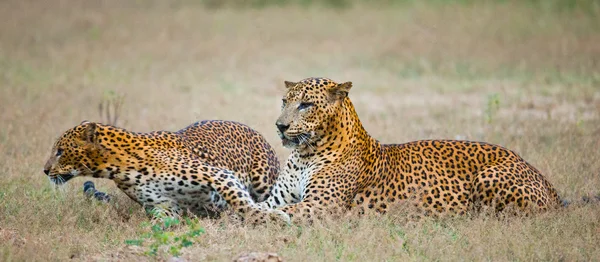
{"x": 89, "y": 189}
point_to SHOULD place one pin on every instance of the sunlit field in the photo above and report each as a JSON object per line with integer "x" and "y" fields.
{"x": 522, "y": 74}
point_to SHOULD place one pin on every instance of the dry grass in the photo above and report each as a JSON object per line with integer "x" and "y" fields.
{"x": 420, "y": 71}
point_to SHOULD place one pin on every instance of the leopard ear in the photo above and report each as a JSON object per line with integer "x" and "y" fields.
{"x": 89, "y": 134}
{"x": 340, "y": 91}
{"x": 289, "y": 84}
{"x": 84, "y": 122}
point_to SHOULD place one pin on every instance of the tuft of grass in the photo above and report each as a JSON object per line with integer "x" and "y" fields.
{"x": 110, "y": 108}
{"x": 491, "y": 108}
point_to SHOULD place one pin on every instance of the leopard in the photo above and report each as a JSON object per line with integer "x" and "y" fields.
{"x": 335, "y": 164}
{"x": 202, "y": 169}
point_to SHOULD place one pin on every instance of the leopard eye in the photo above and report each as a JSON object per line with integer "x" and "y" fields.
{"x": 59, "y": 152}
{"x": 305, "y": 105}
{"x": 284, "y": 101}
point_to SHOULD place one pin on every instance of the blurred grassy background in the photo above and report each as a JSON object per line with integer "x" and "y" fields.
{"x": 523, "y": 74}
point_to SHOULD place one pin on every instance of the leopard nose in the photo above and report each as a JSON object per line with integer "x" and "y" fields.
{"x": 282, "y": 128}
{"x": 46, "y": 171}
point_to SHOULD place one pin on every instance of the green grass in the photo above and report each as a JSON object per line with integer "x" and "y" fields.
{"x": 589, "y": 7}
{"x": 523, "y": 74}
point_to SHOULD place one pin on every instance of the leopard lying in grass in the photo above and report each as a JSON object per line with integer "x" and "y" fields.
{"x": 336, "y": 164}
{"x": 202, "y": 168}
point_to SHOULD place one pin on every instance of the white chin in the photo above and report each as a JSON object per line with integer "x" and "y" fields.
{"x": 289, "y": 144}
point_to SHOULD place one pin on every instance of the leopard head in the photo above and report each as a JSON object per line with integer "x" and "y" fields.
{"x": 309, "y": 107}
{"x": 74, "y": 154}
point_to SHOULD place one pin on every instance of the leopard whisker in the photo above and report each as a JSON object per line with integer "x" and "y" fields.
{"x": 89, "y": 169}
{"x": 52, "y": 184}
{"x": 305, "y": 139}
{"x": 310, "y": 145}
{"x": 61, "y": 179}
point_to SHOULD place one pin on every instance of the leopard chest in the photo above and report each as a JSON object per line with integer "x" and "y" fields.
{"x": 300, "y": 176}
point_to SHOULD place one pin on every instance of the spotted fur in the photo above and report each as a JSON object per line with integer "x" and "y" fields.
{"x": 202, "y": 168}
{"x": 336, "y": 164}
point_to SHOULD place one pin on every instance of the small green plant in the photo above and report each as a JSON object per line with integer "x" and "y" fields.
{"x": 491, "y": 108}
{"x": 159, "y": 240}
